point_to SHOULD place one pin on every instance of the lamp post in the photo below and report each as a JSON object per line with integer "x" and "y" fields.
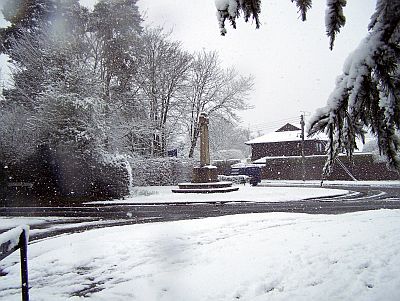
{"x": 303, "y": 167}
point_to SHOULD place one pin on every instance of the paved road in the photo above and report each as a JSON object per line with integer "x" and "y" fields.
{"x": 359, "y": 199}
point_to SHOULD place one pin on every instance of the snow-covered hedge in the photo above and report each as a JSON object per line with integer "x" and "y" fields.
{"x": 110, "y": 179}
{"x": 160, "y": 171}
{"x": 63, "y": 173}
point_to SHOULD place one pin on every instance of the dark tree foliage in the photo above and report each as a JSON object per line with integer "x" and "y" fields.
{"x": 56, "y": 97}
{"x": 117, "y": 25}
{"x": 24, "y": 15}
{"x": 33, "y": 21}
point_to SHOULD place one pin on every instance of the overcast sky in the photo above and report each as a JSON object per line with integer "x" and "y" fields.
{"x": 293, "y": 67}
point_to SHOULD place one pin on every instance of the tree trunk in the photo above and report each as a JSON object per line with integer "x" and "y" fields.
{"x": 192, "y": 147}
{"x": 193, "y": 142}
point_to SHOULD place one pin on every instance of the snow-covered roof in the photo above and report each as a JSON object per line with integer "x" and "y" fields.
{"x": 284, "y": 137}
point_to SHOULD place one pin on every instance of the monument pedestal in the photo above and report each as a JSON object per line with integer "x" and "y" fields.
{"x": 205, "y": 180}
{"x": 205, "y": 174}
{"x": 210, "y": 187}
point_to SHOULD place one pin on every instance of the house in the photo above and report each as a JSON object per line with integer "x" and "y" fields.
{"x": 280, "y": 154}
{"x": 286, "y": 142}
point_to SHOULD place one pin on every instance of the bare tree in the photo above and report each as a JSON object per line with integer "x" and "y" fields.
{"x": 163, "y": 67}
{"x": 213, "y": 90}
{"x": 227, "y": 139}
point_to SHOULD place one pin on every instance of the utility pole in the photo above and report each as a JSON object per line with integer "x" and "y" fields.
{"x": 303, "y": 167}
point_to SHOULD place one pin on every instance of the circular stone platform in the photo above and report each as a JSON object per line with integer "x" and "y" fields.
{"x": 210, "y": 187}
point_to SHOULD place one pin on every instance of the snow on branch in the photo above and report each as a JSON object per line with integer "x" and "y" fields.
{"x": 230, "y": 10}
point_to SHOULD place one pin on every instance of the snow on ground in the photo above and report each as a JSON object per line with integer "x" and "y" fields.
{"x": 246, "y": 193}
{"x": 11, "y": 222}
{"x": 270, "y": 256}
{"x": 44, "y": 225}
{"x": 330, "y": 183}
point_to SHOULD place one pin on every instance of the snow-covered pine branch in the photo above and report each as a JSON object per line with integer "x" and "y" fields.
{"x": 367, "y": 93}
{"x": 251, "y": 9}
{"x": 303, "y": 6}
{"x": 231, "y": 9}
{"x": 334, "y": 19}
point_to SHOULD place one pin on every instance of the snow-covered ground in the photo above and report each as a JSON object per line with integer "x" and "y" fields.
{"x": 266, "y": 191}
{"x": 246, "y": 193}
{"x": 270, "y": 256}
{"x": 331, "y": 183}
{"x": 45, "y": 225}
{"x": 11, "y": 222}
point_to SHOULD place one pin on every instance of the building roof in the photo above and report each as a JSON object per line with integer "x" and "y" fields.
{"x": 283, "y": 135}
{"x": 288, "y": 127}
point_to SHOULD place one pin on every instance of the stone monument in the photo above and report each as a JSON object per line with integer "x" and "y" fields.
{"x": 205, "y": 173}
{"x": 205, "y": 176}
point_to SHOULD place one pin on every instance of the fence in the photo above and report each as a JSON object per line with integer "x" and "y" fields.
{"x": 11, "y": 241}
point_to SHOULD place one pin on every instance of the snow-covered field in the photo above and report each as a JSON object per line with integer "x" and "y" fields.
{"x": 273, "y": 256}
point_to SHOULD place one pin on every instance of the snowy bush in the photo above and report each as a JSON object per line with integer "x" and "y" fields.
{"x": 160, "y": 171}
{"x": 111, "y": 176}
{"x": 63, "y": 173}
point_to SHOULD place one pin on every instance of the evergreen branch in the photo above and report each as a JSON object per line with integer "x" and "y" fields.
{"x": 303, "y": 6}
{"x": 231, "y": 10}
{"x": 334, "y": 19}
{"x": 251, "y": 8}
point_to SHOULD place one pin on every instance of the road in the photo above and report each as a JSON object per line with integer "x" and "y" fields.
{"x": 85, "y": 217}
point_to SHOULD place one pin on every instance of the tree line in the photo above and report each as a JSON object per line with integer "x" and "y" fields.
{"x": 97, "y": 83}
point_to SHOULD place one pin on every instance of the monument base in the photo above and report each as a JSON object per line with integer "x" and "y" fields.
{"x": 205, "y": 174}
{"x": 205, "y": 180}
{"x": 210, "y": 187}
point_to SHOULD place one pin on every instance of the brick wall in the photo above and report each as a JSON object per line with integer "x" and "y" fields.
{"x": 362, "y": 167}
{"x": 288, "y": 148}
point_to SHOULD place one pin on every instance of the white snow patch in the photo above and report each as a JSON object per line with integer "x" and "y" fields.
{"x": 285, "y": 136}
